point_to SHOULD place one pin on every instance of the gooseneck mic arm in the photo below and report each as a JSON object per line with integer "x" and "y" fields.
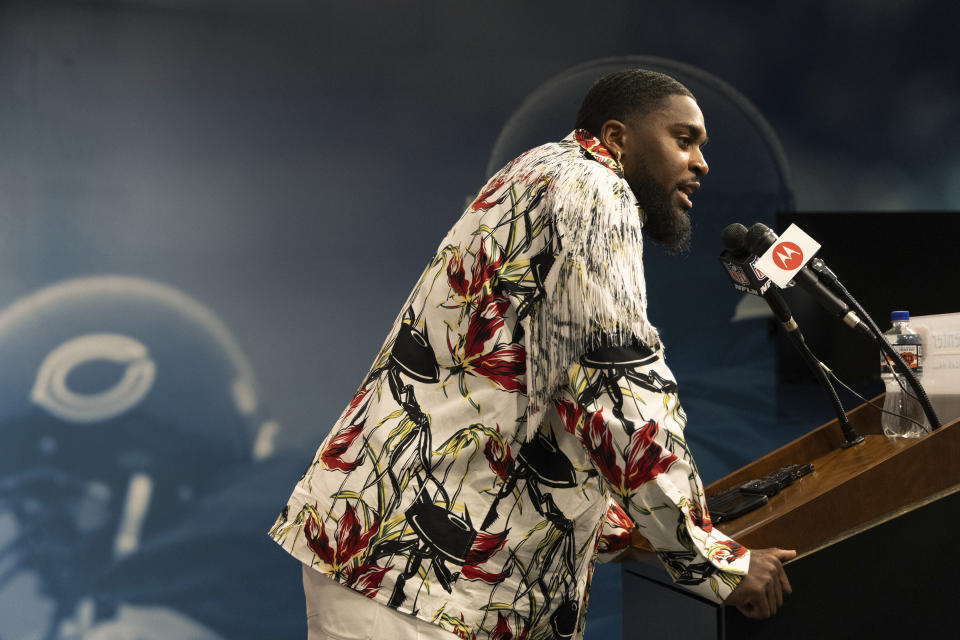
{"x": 759, "y": 238}
{"x": 821, "y": 268}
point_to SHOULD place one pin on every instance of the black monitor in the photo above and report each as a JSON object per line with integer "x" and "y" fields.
{"x": 888, "y": 261}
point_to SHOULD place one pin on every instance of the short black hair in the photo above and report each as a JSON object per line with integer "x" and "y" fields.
{"x": 622, "y": 94}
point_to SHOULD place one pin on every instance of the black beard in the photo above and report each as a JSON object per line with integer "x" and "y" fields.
{"x": 665, "y": 225}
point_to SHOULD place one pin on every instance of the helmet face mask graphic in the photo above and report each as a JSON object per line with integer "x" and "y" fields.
{"x": 122, "y": 401}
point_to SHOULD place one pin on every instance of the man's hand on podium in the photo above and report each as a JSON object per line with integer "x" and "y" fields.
{"x": 760, "y": 592}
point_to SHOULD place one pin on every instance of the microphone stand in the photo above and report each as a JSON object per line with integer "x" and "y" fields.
{"x": 833, "y": 282}
{"x": 780, "y": 309}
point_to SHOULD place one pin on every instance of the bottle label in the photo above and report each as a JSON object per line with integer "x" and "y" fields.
{"x": 912, "y": 354}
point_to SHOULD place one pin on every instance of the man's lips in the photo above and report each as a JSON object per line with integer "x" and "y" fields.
{"x": 686, "y": 191}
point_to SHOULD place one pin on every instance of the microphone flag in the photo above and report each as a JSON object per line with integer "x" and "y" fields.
{"x": 788, "y": 255}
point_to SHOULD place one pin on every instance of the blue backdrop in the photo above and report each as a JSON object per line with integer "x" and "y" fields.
{"x": 205, "y": 230}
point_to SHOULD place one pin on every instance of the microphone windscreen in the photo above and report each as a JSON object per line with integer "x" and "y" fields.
{"x": 733, "y": 236}
{"x": 760, "y": 238}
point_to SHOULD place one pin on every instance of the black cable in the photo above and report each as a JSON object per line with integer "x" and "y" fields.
{"x": 843, "y": 384}
{"x": 885, "y": 347}
{"x": 850, "y": 436}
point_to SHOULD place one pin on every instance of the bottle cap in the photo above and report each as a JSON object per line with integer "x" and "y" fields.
{"x": 899, "y": 316}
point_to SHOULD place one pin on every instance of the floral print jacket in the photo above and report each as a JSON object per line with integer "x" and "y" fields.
{"x": 518, "y": 421}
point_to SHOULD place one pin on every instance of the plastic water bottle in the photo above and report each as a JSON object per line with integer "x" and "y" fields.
{"x": 908, "y": 343}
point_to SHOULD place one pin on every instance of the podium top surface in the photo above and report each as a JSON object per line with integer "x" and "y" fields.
{"x": 849, "y": 489}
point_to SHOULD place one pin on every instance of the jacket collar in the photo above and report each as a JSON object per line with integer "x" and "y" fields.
{"x": 595, "y": 150}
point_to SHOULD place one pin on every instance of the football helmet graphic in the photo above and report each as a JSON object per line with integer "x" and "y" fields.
{"x": 121, "y": 401}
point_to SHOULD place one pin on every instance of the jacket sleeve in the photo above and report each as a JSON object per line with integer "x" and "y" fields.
{"x": 622, "y": 404}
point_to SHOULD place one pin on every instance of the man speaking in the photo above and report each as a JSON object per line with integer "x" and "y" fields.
{"x": 520, "y": 418}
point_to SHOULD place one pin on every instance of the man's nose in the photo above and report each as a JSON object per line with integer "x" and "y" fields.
{"x": 698, "y": 164}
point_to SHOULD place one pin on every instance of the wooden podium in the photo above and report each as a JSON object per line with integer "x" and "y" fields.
{"x": 876, "y": 531}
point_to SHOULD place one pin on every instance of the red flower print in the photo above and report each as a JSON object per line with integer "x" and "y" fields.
{"x": 457, "y": 278}
{"x": 701, "y": 517}
{"x": 316, "y": 535}
{"x": 338, "y": 445}
{"x": 458, "y": 626}
{"x": 366, "y": 578}
{"x": 350, "y": 540}
{"x": 583, "y": 138}
{"x": 482, "y": 203}
{"x": 618, "y": 524}
{"x": 498, "y": 455}
{"x": 726, "y": 551}
{"x": 504, "y": 366}
{"x": 502, "y": 631}
{"x": 357, "y": 399}
{"x": 599, "y": 443}
{"x": 645, "y": 457}
{"x": 483, "y": 271}
{"x": 484, "y": 546}
{"x": 613, "y": 542}
{"x": 591, "y": 144}
{"x": 504, "y": 363}
{"x": 485, "y": 321}
{"x": 569, "y": 413}
{"x": 617, "y": 517}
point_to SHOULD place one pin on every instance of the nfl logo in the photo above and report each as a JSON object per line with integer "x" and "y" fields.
{"x": 737, "y": 274}
{"x": 759, "y": 273}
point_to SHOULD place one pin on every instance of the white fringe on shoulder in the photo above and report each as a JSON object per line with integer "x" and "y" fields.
{"x": 595, "y": 287}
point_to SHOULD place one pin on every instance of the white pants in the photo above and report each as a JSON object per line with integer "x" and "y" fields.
{"x": 335, "y": 612}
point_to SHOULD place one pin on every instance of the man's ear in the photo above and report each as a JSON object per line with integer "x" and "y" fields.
{"x": 612, "y": 135}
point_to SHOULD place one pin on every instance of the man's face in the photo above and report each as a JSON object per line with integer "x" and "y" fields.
{"x": 663, "y": 163}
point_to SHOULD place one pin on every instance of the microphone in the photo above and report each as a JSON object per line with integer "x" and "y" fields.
{"x": 740, "y": 265}
{"x": 760, "y": 238}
